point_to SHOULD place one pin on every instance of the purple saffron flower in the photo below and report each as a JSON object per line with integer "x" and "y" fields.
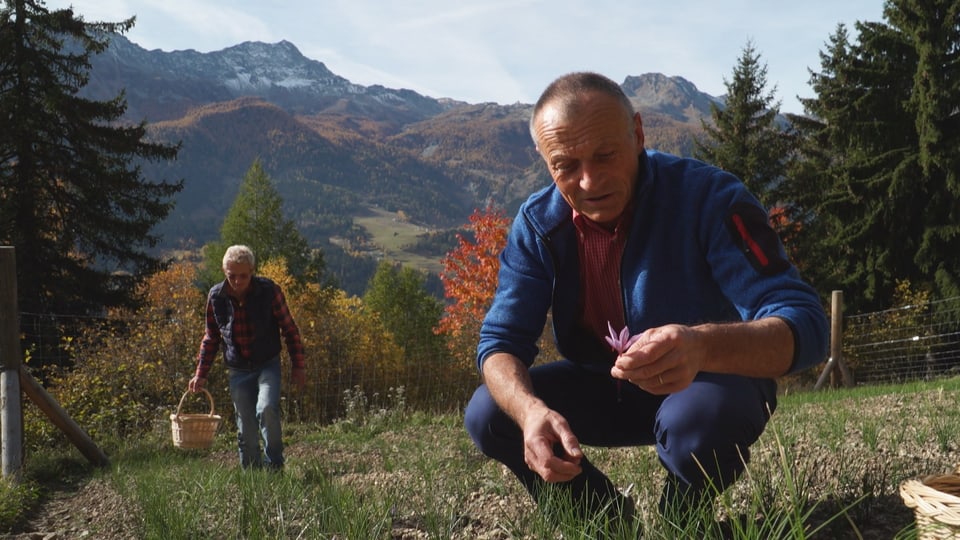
{"x": 622, "y": 341}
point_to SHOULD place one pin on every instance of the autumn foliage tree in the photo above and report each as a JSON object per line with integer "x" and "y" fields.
{"x": 136, "y": 362}
{"x": 133, "y": 365}
{"x": 469, "y": 279}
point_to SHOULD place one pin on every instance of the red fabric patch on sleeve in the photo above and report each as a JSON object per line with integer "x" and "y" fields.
{"x": 760, "y": 244}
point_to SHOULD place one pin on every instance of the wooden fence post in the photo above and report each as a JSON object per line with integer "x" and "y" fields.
{"x": 14, "y": 377}
{"x": 825, "y": 374}
{"x": 46, "y": 403}
{"x": 11, "y": 407}
{"x": 836, "y": 339}
{"x": 836, "y": 364}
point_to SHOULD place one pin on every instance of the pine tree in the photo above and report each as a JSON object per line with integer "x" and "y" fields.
{"x": 256, "y": 220}
{"x": 933, "y": 28}
{"x": 744, "y": 137}
{"x": 72, "y": 198}
{"x": 886, "y": 124}
{"x": 823, "y": 148}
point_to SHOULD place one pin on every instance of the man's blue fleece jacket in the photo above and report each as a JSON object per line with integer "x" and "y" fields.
{"x": 700, "y": 249}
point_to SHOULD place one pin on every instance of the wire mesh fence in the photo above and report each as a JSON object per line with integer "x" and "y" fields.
{"x": 912, "y": 342}
{"x": 116, "y": 374}
{"x": 145, "y": 364}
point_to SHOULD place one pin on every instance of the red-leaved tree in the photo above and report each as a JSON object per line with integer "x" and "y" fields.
{"x": 469, "y": 279}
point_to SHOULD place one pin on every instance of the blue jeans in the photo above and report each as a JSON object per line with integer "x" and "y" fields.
{"x": 702, "y": 434}
{"x": 256, "y": 400}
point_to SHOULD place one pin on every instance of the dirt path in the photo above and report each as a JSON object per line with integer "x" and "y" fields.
{"x": 90, "y": 510}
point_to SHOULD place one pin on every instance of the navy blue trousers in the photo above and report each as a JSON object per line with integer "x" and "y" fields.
{"x": 702, "y": 434}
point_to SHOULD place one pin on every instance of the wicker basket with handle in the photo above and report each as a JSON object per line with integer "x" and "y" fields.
{"x": 935, "y": 501}
{"x": 194, "y": 430}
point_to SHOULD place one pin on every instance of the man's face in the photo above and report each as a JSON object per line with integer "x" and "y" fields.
{"x": 238, "y": 277}
{"x": 591, "y": 151}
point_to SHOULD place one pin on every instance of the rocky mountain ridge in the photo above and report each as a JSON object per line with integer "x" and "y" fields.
{"x": 165, "y": 85}
{"x": 336, "y": 149}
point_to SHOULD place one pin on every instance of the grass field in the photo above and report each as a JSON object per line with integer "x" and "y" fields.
{"x": 829, "y": 466}
{"x": 391, "y": 235}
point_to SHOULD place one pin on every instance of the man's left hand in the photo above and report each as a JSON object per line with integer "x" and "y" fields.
{"x": 663, "y": 360}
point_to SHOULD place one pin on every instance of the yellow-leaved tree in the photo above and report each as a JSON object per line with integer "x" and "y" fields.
{"x": 346, "y": 348}
{"x": 131, "y": 367}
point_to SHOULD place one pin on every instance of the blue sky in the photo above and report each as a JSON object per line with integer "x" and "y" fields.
{"x": 506, "y": 51}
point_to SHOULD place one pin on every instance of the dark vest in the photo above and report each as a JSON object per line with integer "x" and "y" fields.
{"x": 266, "y": 331}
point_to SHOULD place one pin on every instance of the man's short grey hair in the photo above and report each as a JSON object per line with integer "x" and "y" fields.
{"x": 567, "y": 88}
{"x": 239, "y": 254}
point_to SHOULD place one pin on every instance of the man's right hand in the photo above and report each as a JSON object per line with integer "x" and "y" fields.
{"x": 550, "y": 448}
{"x": 196, "y": 384}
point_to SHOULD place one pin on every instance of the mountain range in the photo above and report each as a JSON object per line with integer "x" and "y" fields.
{"x": 336, "y": 150}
